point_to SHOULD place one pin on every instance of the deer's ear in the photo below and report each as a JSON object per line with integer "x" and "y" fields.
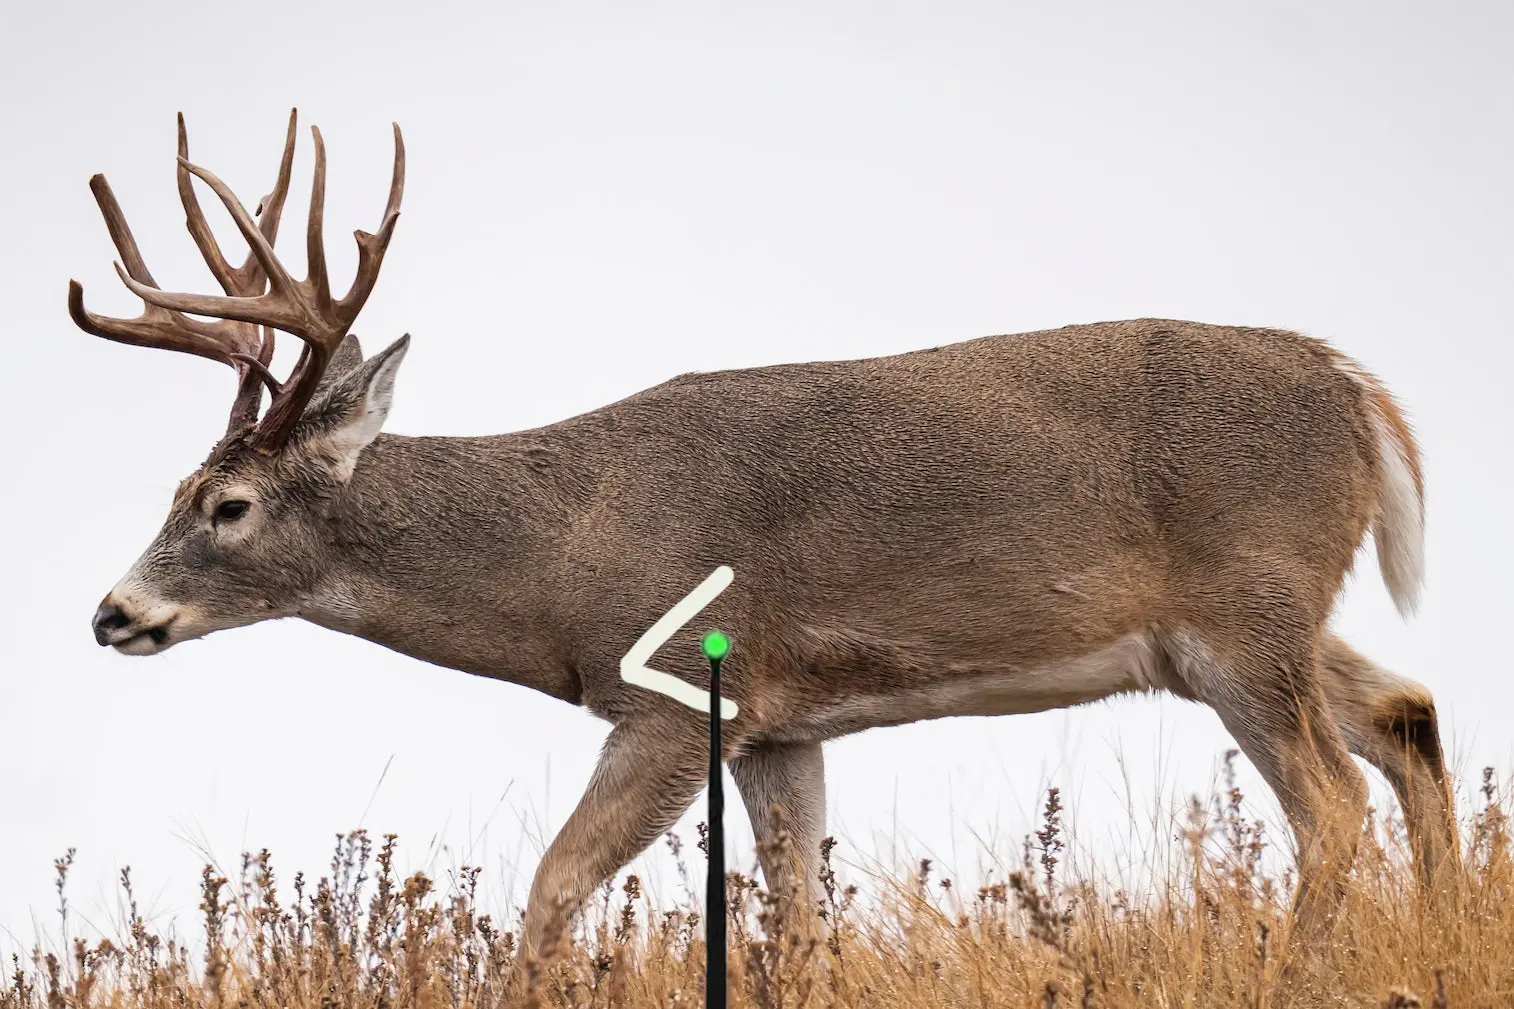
{"x": 348, "y": 358}
{"x": 350, "y": 414}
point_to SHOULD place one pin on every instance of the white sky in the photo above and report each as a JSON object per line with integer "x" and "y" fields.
{"x": 596, "y": 202}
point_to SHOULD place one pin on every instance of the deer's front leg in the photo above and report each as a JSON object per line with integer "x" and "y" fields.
{"x": 648, "y": 775}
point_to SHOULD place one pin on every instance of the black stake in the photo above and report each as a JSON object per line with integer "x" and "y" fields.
{"x": 716, "y": 647}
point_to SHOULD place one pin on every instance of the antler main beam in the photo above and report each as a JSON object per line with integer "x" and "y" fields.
{"x": 304, "y": 308}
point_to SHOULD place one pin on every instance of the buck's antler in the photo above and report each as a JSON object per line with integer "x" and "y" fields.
{"x": 304, "y": 308}
{"x": 234, "y": 343}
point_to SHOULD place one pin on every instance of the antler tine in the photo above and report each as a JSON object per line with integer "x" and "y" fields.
{"x": 199, "y": 228}
{"x": 315, "y": 244}
{"x": 306, "y": 377}
{"x": 371, "y": 248}
{"x": 254, "y": 375}
{"x": 247, "y": 279}
{"x": 120, "y": 232}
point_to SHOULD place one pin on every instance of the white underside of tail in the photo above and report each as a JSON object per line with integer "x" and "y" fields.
{"x": 1398, "y": 528}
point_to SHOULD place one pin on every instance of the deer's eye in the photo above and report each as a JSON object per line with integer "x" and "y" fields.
{"x": 230, "y": 511}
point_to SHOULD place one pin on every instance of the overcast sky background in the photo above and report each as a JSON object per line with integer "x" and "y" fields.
{"x": 599, "y": 199}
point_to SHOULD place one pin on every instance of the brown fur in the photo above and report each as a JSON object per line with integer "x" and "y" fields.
{"x": 1006, "y": 524}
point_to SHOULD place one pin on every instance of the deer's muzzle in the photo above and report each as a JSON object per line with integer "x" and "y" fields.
{"x": 116, "y": 626}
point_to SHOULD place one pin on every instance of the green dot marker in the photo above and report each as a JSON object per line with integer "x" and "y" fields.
{"x": 716, "y": 645}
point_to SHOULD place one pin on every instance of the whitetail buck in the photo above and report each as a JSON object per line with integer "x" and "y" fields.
{"x": 1009, "y": 524}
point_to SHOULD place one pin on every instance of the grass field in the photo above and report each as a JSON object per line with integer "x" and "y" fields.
{"x": 1213, "y": 930}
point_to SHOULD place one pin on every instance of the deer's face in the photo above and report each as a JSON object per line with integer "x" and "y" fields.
{"x": 243, "y": 540}
{"x": 234, "y": 550}
{"x": 249, "y": 535}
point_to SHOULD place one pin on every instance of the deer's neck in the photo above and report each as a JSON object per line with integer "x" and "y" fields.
{"x": 449, "y": 550}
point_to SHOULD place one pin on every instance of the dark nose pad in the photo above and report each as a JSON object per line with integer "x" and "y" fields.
{"x": 109, "y": 617}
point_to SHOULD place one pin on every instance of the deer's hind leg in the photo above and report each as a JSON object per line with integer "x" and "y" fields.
{"x": 1389, "y": 721}
{"x": 1262, "y": 677}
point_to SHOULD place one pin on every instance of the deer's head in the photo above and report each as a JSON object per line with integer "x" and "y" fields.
{"x": 245, "y": 536}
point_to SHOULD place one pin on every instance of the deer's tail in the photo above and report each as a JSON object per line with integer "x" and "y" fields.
{"x": 1398, "y": 526}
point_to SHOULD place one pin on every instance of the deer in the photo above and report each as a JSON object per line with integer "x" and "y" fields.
{"x": 1008, "y": 524}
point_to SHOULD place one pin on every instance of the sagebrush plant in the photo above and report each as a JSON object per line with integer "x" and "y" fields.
{"x": 1214, "y": 930}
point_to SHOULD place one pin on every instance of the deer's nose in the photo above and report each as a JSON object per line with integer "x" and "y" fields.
{"x": 110, "y": 617}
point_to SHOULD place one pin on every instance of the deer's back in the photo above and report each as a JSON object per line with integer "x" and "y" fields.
{"x": 1011, "y": 495}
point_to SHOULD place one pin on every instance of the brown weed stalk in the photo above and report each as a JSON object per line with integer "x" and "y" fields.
{"x": 1213, "y": 931}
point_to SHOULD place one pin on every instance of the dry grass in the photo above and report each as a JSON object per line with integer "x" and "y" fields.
{"x": 1213, "y": 932}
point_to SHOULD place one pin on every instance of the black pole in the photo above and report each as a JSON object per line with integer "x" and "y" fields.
{"x": 714, "y": 912}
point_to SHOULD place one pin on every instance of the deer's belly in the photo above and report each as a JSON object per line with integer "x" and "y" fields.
{"x": 1132, "y": 663}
